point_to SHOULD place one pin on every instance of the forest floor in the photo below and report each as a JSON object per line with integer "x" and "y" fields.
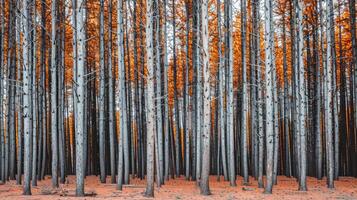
{"x": 178, "y": 189}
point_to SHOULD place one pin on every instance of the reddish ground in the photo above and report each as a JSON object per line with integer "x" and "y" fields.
{"x": 346, "y": 188}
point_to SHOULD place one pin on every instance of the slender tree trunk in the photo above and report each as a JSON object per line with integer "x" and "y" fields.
{"x": 221, "y": 92}
{"x": 18, "y": 97}
{"x": 166, "y": 99}
{"x": 34, "y": 99}
{"x": 54, "y": 133}
{"x": 328, "y": 104}
{"x": 260, "y": 131}
{"x": 150, "y": 108}
{"x": 269, "y": 111}
{"x": 26, "y": 96}
{"x": 101, "y": 95}
{"x": 286, "y": 107}
{"x": 2, "y": 85}
{"x": 204, "y": 184}
{"x": 80, "y": 90}
{"x": 112, "y": 134}
{"x": 186, "y": 94}
{"x": 244, "y": 133}
{"x": 11, "y": 90}
{"x": 230, "y": 94}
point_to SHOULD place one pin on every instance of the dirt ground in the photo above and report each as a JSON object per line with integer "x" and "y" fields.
{"x": 345, "y": 188}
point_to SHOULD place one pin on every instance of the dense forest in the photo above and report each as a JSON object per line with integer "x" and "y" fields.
{"x": 162, "y": 89}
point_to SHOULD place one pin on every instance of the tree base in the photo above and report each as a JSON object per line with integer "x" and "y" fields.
{"x": 79, "y": 193}
{"x": 27, "y": 192}
{"x": 268, "y": 192}
{"x": 149, "y": 193}
{"x": 303, "y": 189}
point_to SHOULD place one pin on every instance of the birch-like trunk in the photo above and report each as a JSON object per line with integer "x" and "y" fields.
{"x": 329, "y": 99}
{"x": 54, "y": 133}
{"x": 34, "y": 98}
{"x": 79, "y": 95}
{"x": 26, "y": 96}
{"x": 269, "y": 101}
{"x": 19, "y": 101}
{"x": 101, "y": 95}
{"x": 151, "y": 130}
{"x": 230, "y": 93}
{"x": 111, "y": 89}
{"x": 244, "y": 142}
{"x": 122, "y": 101}
{"x": 206, "y": 135}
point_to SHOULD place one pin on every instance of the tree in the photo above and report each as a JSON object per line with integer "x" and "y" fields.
{"x": 54, "y": 133}
{"x": 112, "y": 134}
{"x": 269, "y": 113}
{"x": 229, "y": 65}
{"x": 79, "y": 94}
{"x": 302, "y": 96}
{"x": 245, "y": 95}
{"x": 26, "y": 96}
{"x": 101, "y": 95}
{"x": 150, "y": 108}
{"x": 328, "y": 101}
{"x": 204, "y": 184}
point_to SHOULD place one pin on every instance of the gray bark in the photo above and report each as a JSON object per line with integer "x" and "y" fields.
{"x": 34, "y": 98}
{"x": 230, "y": 104}
{"x": 244, "y": 122}
{"x": 79, "y": 95}
{"x": 101, "y": 95}
{"x": 221, "y": 92}
{"x": 269, "y": 101}
{"x": 204, "y": 184}
{"x": 150, "y": 106}
{"x": 54, "y": 133}
{"x": 26, "y": 96}
{"x": 112, "y": 134}
{"x": 329, "y": 99}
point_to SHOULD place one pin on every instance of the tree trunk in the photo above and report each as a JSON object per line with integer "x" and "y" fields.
{"x": 269, "y": 101}
{"x": 80, "y": 90}
{"x": 244, "y": 133}
{"x": 101, "y": 95}
{"x": 204, "y": 184}
{"x": 151, "y": 130}
{"x": 26, "y": 96}
{"x": 230, "y": 94}
{"x": 54, "y": 133}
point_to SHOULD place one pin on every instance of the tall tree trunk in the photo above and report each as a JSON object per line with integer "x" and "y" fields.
{"x": 122, "y": 98}
{"x": 302, "y": 96}
{"x": 204, "y": 184}
{"x": 101, "y": 95}
{"x": 2, "y": 85}
{"x": 286, "y": 107}
{"x": 112, "y": 134}
{"x": 244, "y": 132}
{"x": 54, "y": 133}
{"x": 151, "y": 129}
{"x": 18, "y": 96}
{"x": 166, "y": 99}
{"x": 26, "y": 96}
{"x": 11, "y": 90}
{"x": 230, "y": 93}
{"x": 221, "y": 92}
{"x": 34, "y": 99}
{"x": 186, "y": 94}
{"x": 328, "y": 102}
{"x": 269, "y": 111}
{"x": 80, "y": 16}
